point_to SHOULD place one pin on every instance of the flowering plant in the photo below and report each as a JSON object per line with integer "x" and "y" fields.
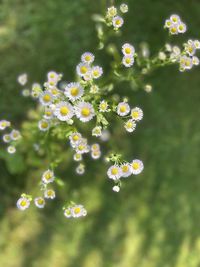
{"x": 71, "y": 111}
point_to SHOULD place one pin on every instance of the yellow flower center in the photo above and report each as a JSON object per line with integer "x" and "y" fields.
{"x": 128, "y": 60}
{"x": 51, "y": 83}
{"x": 122, "y": 108}
{"x": 168, "y": 23}
{"x": 114, "y": 171}
{"x": 125, "y": 168}
{"x": 83, "y": 69}
{"x": 103, "y": 106}
{"x": 85, "y": 112}
{"x": 48, "y": 176}
{"x": 23, "y": 203}
{"x": 127, "y": 50}
{"x": 46, "y": 98}
{"x": 75, "y": 137}
{"x": 118, "y": 22}
{"x": 48, "y": 113}
{"x": 187, "y": 63}
{"x": 77, "y": 210}
{"x": 49, "y": 193}
{"x": 74, "y": 91}
{"x": 135, "y": 114}
{"x": 129, "y": 124}
{"x": 81, "y": 147}
{"x": 96, "y": 73}
{"x": 87, "y": 58}
{"x": 173, "y": 30}
{"x": 54, "y": 91}
{"x": 64, "y": 111}
{"x": 135, "y": 165}
{"x": 44, "y": 124}
{"x": 40, "y": 201}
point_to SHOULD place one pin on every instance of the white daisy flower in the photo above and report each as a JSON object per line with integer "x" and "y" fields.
{"x": 4, "y": 124}
{"x": 126, "y": 170}
{"x": 84, "y": 111}
{"x": 67, "y": 213}
{"x": 130, "y": 125}
{"x": 190, "y": 48}
{"x": 117, "y": 22}
{"x": 136, "y": 114}
{"x": 96, "y": 72}
{"x": 128, "y": 61}
{"x": 103, "y": 106}
{"x": 11, "y": 149}
{"x": 23, "y": 203}
{"x": 87, "y": 57}
{"x": 175, "y": 19}
{"x": 83, "y": 69}
{"x": 64, "y": 111}
{"x": 6, "y": 138}
{"x": 53, "y": 76}
{"x": 128, "y": 50}
{"x": 75, "y": 138}
{"x": 95, "y": 147}
{"x": 15, "y": 135}
{"x": 74, "y": 91}
{"x": 82, "y": 147}
{"x": 96, "y": 154}
{"x": 49, "y": 194}
{"x": 48, "y": 177}
{"x": 78, "y": 211}
{"x": 80, "y": 169}
{"x": 195, "y": 61}
{"x": 43, "y": 125}
{"x": 168, "y": 23}
{"x": 116, "y": 188}
{"x": 77, "y": 157}
{"x": 182, "y": 28}
{"x": 55, "y": 92}
{"x": 46, "y": 98}
{"x": 124, "y": 8}
{"x": 111, "y": 11}
{"x": 185, "y": 62}
{"x": 48, "y": 113}
{"x": 123, "y": 109}
{"x": 25, "y": 92}
{"x": 114, "y": 172}
{"x": 22, "y": 79}
{"x": 97, "y": 131}
{"x": 197, "y": 44}
{"x": 173, "y": 29}
{"x": 39, "y": 202}
{"x": 137, "y": 166}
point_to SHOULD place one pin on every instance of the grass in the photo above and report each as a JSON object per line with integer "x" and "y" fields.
{"x": 154, "y": 221}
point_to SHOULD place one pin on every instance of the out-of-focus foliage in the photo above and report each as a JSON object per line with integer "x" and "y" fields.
{"x": 154, "y": 221}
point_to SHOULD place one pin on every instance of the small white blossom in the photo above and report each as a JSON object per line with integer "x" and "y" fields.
{"x": 23, "y": 203}
{"x": 130, "y": 125}
{"x": 111, "y": 12}
{"x": 11, "y": 149}
{"x": 103, "y": 106}
{"x": 128, "y": 49}
{"x": 15, "y": 135}
{"x": 64, "y": 111}
{"x": 6, "y": 138}
{"x": 83, "y": 69}
{"x": 48, "y": 177}
{"x": 22, "y": 79}
{"x": 74, "y": 91}
{"x": 114, "y": 172}
{"x": 126, "y": 170}
{"x": 136, "y": 114}
{"x": 46, "y": 98}
{"x": 96, "y": 72}
{"x": 128, "y": 61}
{"x": 80, "y": 169}
{"x": 123, "y": 109}
{"x": 77, "y": 157}
{"x": 39, "y": 202}
{"x": 78, "y": 211}
{"x": 116, "y": 188}
{"x": 4, "y": 124}
{"x": 137, "y": 166}
{"x": 84, "y": 111}
{"x": 124, "y": 8}
{"x": 96, "y": 154}
{"x": 87, "y": 57}
{"x": 117, "y": 22}
{"x": 49, "y": 194}
{"x": 96, "y": 131}
{"x": 43, "y": 125}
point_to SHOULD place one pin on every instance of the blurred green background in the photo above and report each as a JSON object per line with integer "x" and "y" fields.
{"x": 154, "y": 220}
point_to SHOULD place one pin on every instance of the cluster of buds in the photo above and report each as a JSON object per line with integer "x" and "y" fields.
{"x": 10, "y": 138}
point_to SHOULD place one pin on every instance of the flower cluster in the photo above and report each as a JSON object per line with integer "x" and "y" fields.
{"x": 88, "y": 106}
{"x": 10, "y": 138}
{"x": 113, "y": 16}
{"x": 175, "y": 25}
{"x": 128, "y": 51}
{"x": 74, "y": 211}
{"x": 124, "y": 170}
